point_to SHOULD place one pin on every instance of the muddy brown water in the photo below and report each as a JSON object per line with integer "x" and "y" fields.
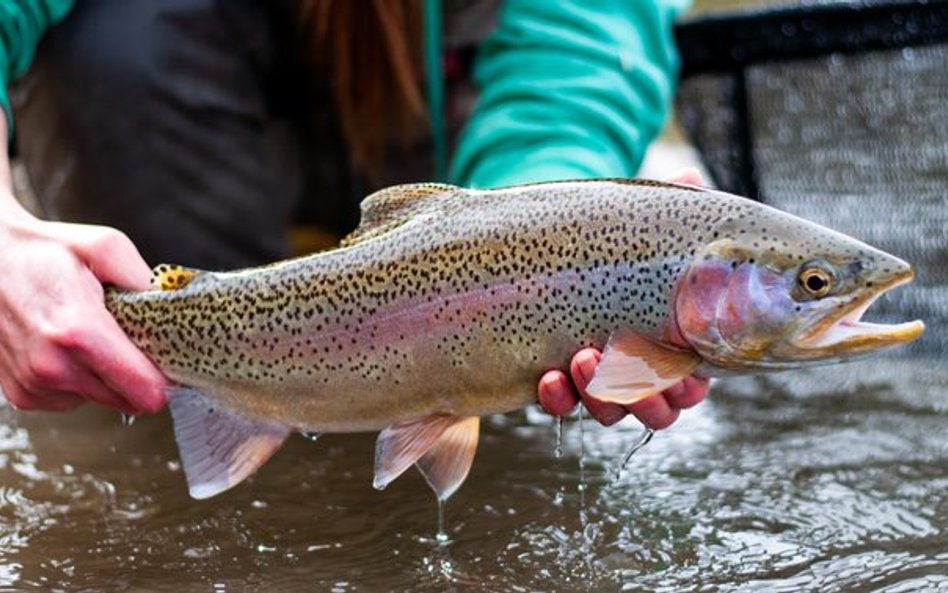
{"x": 828, "y": 480}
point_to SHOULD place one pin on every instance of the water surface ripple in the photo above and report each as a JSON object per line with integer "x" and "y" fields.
{"x": 829, "y": 480}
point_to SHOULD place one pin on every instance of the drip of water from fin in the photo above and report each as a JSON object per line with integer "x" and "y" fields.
{"x": 441, "y": 537}
{"x": 582, "y": 457}
{"x": 311, "y": 436}
{"x": 643, "y": 440}
{"x": 128, "y": 419}
{"x": 586, "y": 532}
{"x": 558, "y": 450}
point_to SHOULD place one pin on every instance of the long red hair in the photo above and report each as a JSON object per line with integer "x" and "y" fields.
{"x": 370, "y": 53}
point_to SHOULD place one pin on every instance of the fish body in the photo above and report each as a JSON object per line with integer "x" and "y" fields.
{"x": 450, "y": 303}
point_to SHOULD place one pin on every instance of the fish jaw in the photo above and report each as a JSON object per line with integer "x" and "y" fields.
{"x": 743, "y": 318}
{"x": 843, "y": 333}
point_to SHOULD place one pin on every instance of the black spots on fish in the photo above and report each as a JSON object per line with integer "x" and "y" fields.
{"x": 471, "y": 279}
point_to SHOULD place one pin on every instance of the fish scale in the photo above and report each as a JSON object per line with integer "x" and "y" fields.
{"x": 448, "y": 302}
{"x": 473, "y": 277}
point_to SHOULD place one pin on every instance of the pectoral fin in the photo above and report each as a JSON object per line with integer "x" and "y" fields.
{"x": 441, "y": 445}
{"x": 219, "y": 448}
{"x": 634, "y": 367}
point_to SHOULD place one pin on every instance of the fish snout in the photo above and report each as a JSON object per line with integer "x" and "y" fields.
{"x": 889, "y": 273}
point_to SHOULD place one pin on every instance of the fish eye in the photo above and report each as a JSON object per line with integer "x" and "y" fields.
{"x": 815, "y": 280}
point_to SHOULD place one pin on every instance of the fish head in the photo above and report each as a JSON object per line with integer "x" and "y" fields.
{"x": 774, "y": 291}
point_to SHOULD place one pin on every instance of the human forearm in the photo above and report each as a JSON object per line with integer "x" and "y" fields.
{"x": 569, "y": 89}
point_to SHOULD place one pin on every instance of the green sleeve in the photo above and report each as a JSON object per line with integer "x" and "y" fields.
{"x": 22, "y": 24}
{"x": 569, "y": 89}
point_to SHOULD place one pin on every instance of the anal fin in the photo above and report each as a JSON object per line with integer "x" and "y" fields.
{"x": 442, "y": 446}
{"x": 634, "y": 367}
{"x": 219, "y": 448}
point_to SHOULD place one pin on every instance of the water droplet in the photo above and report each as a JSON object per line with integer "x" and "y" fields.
{"x": 311, "y": 436}
{"x": 441, "y": 537}
{"x": 582, "y": 454}
{"x": 128, "y": 419}
{"x": 259, "y": 504}
{"x": 643, "y": 440}
{"x": 446, "y": 567}
{"x": 558, "y": 449}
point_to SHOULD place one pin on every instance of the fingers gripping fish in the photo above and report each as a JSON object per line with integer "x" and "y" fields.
{"x": 447, "y": 304}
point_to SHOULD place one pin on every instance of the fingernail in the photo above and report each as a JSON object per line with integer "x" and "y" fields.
{"x": 553, "y": 383}
{"x": 587, "y": 369}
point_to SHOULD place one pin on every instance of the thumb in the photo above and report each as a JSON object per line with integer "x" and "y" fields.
{"x": 110, "y": 255}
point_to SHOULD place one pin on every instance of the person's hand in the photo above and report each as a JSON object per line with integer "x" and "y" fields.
{"x": 59, "y": 346}
{"x": 558, "y": 395}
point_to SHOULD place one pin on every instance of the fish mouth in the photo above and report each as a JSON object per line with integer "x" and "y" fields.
{"x": 844, "y": 332}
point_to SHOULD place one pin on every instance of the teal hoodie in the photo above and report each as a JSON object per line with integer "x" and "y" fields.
{"x": 568, "y": 88}
{"x": 22, "y": 24}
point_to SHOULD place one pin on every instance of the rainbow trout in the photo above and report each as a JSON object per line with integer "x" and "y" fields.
{"x": 447, "y": 304}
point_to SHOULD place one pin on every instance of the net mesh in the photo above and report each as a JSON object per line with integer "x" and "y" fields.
{"x": 856, "y": 139}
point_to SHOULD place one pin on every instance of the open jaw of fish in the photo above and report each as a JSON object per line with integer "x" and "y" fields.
{"x": 845, "y": 332}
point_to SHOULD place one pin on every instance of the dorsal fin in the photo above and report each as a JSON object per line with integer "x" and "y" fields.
{"x": 172, "y": 276}
{"x": 391, "y": 207}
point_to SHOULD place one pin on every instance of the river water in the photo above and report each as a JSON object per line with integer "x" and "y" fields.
{"x": 828, "y": 480}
